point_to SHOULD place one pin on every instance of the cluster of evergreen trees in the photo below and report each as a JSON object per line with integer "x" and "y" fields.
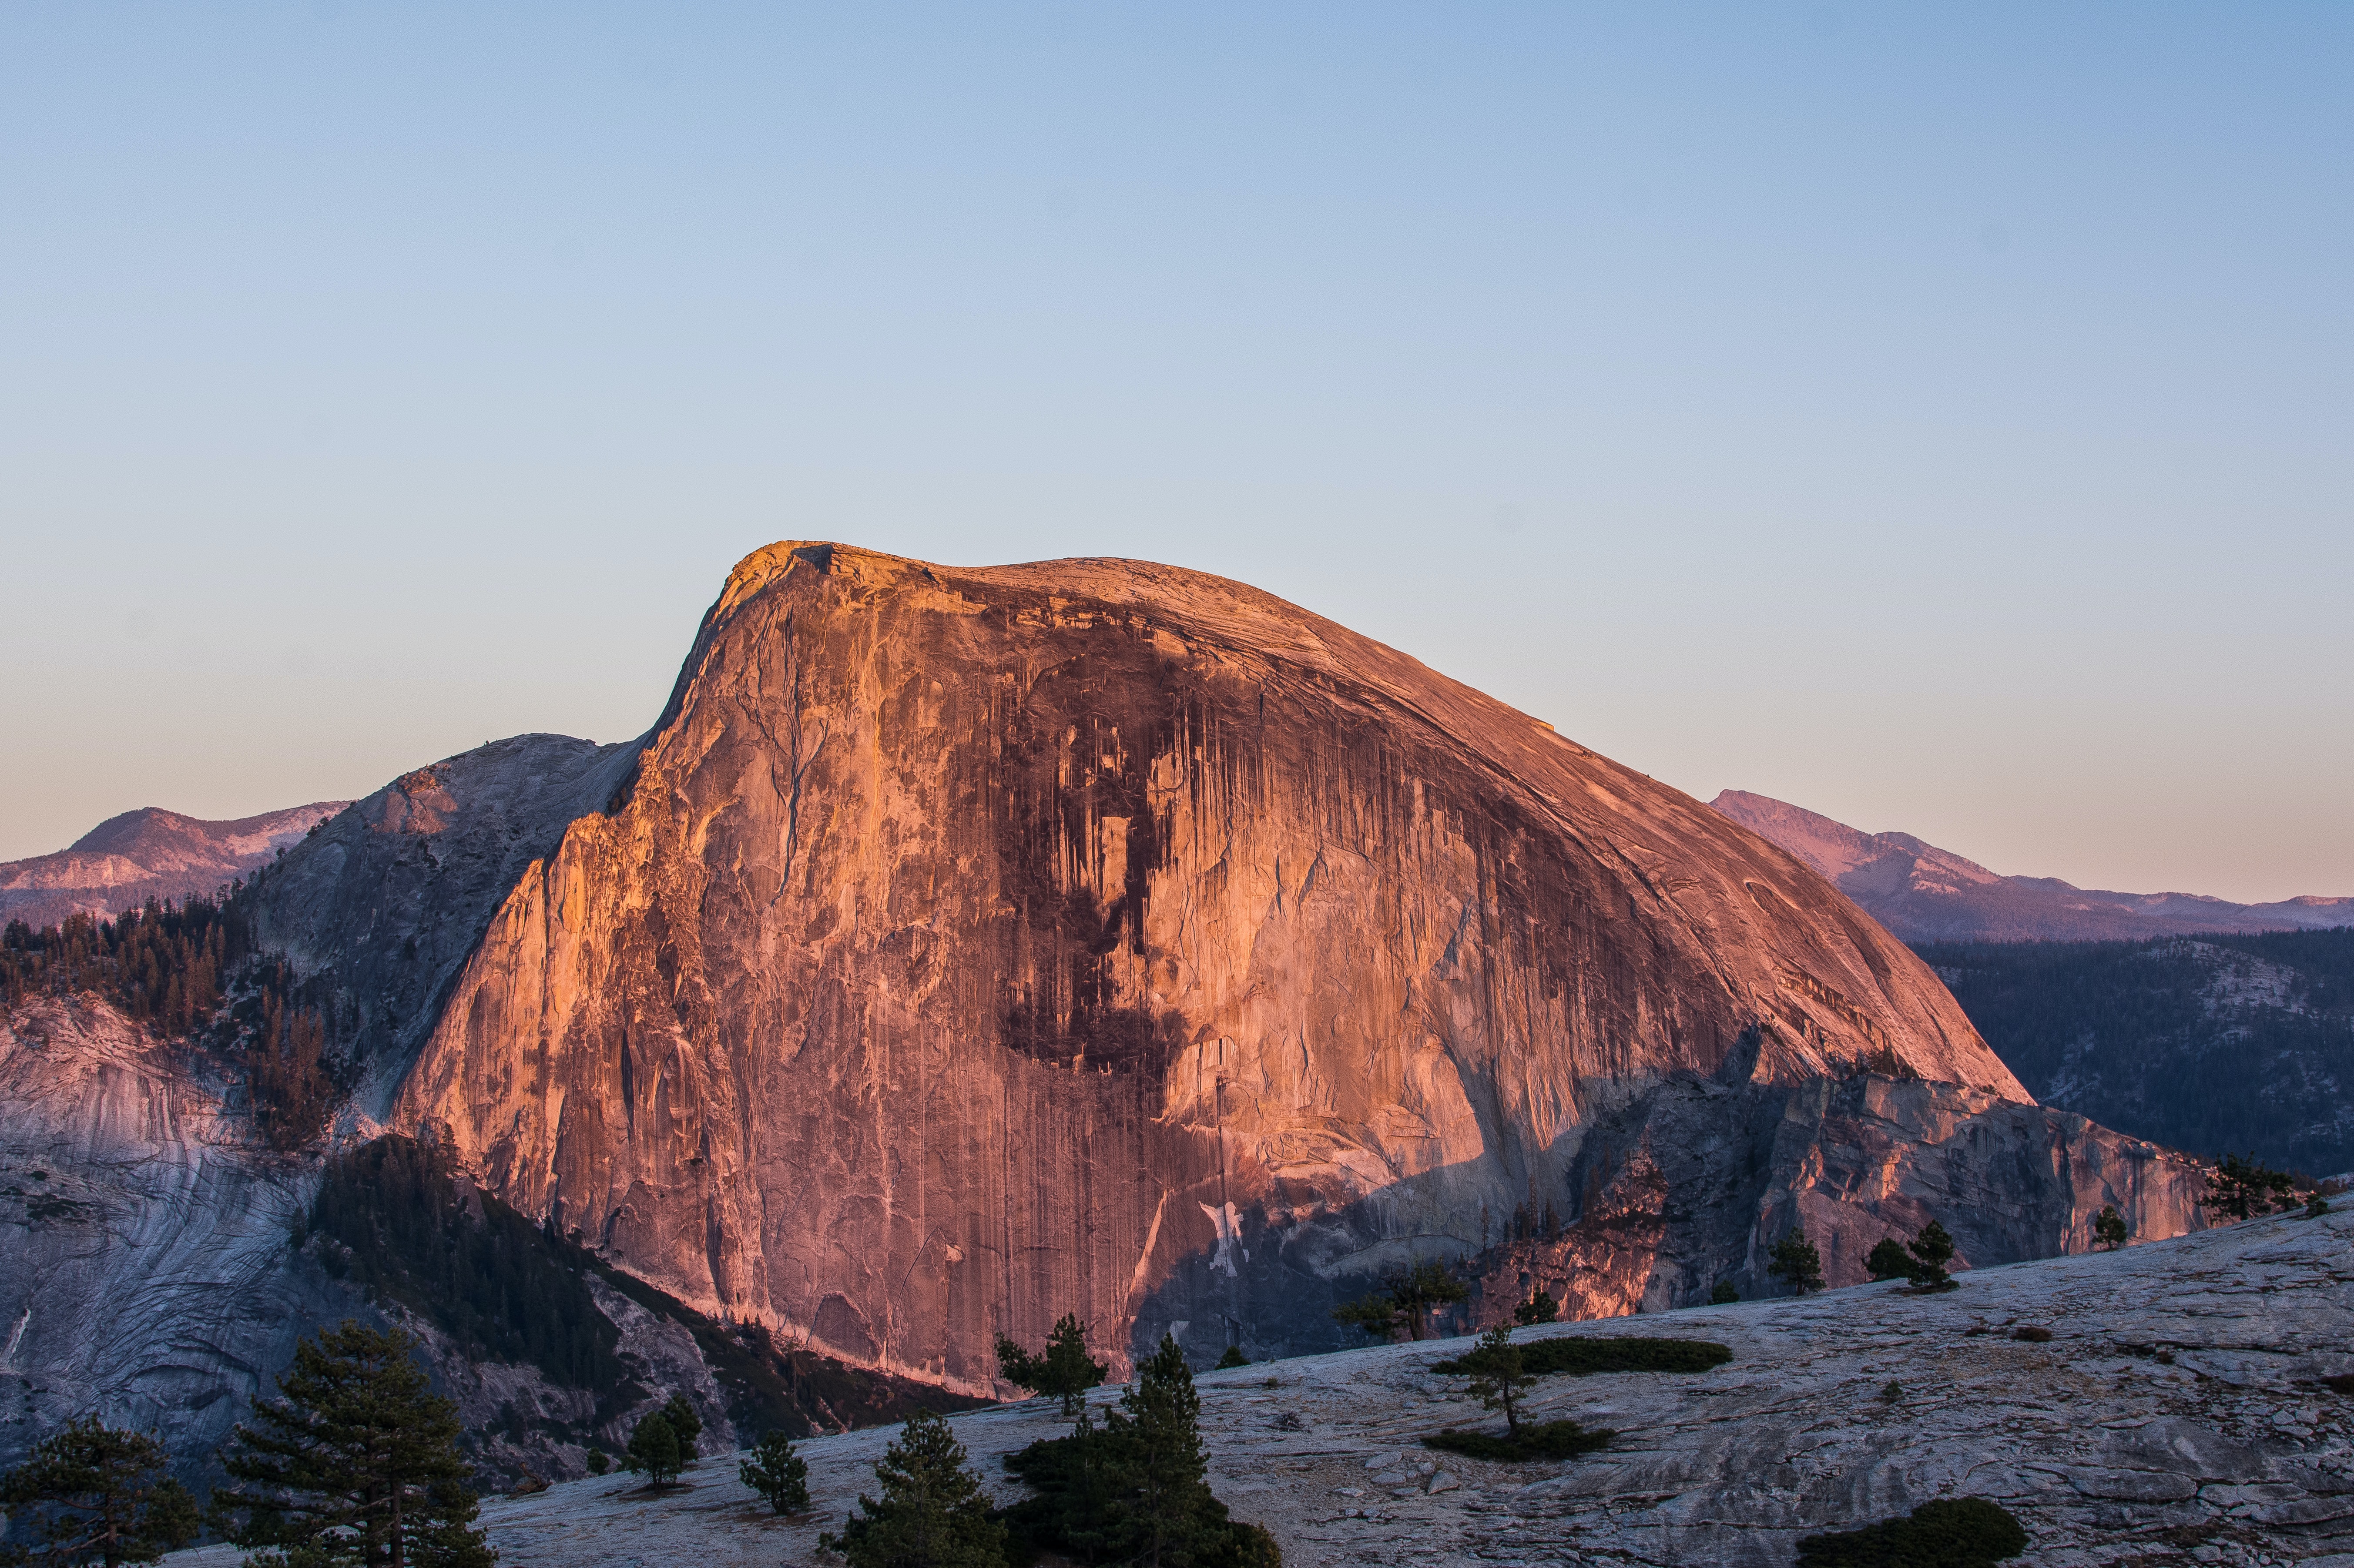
{"x": 405, "y": 1228}
{"x": 2128, "y": 1034}
{"x": 1408, "y": 1294}
{"x": 355, "y": 1461}
{"x": 192, "y": 971}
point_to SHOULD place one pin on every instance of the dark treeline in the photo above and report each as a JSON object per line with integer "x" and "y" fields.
{"x": 411, "y": 1231}
{"x": 192, "y": 971}
{"x": 2161, "y": 1040}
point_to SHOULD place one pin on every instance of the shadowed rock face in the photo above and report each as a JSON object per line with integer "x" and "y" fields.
{"x": 970, "y": 947}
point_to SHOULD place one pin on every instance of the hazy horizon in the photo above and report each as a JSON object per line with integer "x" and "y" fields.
{"x": 1937, "y": 421}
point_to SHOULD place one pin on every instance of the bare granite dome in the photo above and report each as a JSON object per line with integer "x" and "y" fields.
{"x": 973, "y": 946}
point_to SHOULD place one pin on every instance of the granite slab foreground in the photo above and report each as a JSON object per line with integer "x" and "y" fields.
{"x": 2177, "y": 1415}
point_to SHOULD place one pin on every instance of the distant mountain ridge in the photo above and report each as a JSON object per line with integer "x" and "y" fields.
{"x": 148, "y": 853}
{"x": 1923, "y": 893}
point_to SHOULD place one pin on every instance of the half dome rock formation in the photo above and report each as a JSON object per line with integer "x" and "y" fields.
{"x": 968, "y": 947}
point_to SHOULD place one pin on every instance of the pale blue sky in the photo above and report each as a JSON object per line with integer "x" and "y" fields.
{"x": 1939, "y": 417}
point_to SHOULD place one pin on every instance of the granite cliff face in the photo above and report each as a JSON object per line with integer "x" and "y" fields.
{"x": 383, "y": 905}
{"x": 964, "y": 948}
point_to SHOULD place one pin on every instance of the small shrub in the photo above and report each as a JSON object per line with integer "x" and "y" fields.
{"x": 2032, "y": 1333}
{"x": 1951, "y": 1532}
{"x": 1724, "y": 1295}
{"x": 1580, "y": 1357}
{"x": 1272, "y": 1383}
{"x": 2164, "y": 1358}
{"x": 2316, "y": 1206}
{"x": 1891, "y": 1392}
{"x": 1232, "y": 1359}
{"x": 2342, "y": 1384}
{"x": 1537, "y": 1440}
{"x": 1539, "y": 1309}
{"x": 597, "y": 1462}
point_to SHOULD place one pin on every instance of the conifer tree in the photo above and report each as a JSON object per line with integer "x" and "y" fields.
{"x": 1889, "y": 1260}
{"x": 1724, "y": 1295}
{"x": 684, "y": 1421}
{"x": 654, "y": 1448}
{"x": 1930, "y": 1250}
{"x": 778, "y": 1474}
{"x": 1538, "y": 1308}
{"x": 1166, "y": 1512}
{"x": 933, "y": 1512}
{"x": 357, "y": 1460}
{"x": 91, "y": 1494}
{"x": 1499, "y": 1379}
{"x": 1796, "y": 1263}
{"x": 2110, "y": 1231}
{"x": 1065, "y": 1371}
{"x": 2245, "y": 1187}
{"x": 1233, "y": 1358}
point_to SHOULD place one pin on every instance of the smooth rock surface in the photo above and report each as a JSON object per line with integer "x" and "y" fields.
{"x": 972, "y": 946}
{"x": 2231, "y": 1453}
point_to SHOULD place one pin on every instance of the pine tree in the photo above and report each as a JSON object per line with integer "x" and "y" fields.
{"x": 1233, "y": 1358}
{"x": 933, "y": 1512}
{"x": 1499, "y": 1379}
{"x": 1065, "y": 1371}
{"x": 1930, "y": 1250}
{"x": 1538, "y": 1308}
{"x": 1889, "y": 1260}
{"x": 1167, "y": 1512}
{"x": 358, "y": 1458}
{"x": 685, "y": 1423}
{"x": 1796, "y": 1263}
{"x": 1376, "y": 1315}
{"x": 654, "y": 1448}
{"x": 778, "y": 1474}
{"x": 91, "y": 1494}
{"x": 2110, "y": 1231}
{"x": 1724, "y": 1295}
{"x": 2245, "y": 1187}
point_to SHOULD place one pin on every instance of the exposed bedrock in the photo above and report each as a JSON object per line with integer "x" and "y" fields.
{"x": 383, "y": 903}
{"x": 146, "y": 1267}
{"x": 970, "y": 947}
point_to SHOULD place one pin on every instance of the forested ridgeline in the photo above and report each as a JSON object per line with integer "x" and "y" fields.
{"x": 193, "y": 970}
{"x": 398, "y": 1218}
{"x": 2213, "y": 1045}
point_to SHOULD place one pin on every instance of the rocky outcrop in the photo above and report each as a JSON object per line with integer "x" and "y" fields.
{"x": 147, "y": 1272}
{"x": 1923, "y": 893}
{"x": 970, "y": 946}
{"x": 148, "y": 853}
{"x": 1691, "y": 1183}
{"x": 381, "y": 906}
